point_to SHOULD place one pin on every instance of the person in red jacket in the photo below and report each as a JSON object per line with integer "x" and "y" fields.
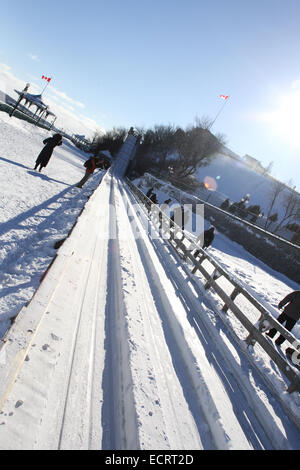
{"x": 91, "y": 164}
{"x": 289, "y": 316}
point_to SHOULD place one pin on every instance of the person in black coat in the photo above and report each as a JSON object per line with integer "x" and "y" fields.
{"x": 149, "y": 192}
{"x": 47, "y": 151}
{"x": 289, "y": 316}
{"x": 180, "y": 216}
{"x": 154, "y": 201}
{"x": 208, "y": 238}
{"x": 163, "y": 208}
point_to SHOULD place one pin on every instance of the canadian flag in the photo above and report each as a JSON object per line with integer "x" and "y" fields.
{"x": 46, "y": 78}
{"x": 224, "y": 97}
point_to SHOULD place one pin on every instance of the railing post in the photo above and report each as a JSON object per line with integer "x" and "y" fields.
{"x": 199, "y": 261}
{"x": 250, "y": 340}
{"x": 233, "y": 296}
{"x": 215, "y": 275}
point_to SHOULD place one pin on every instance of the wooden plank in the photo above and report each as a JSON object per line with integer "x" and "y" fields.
{"x": 236, "y": 291}
{"x": 264, "y": 343}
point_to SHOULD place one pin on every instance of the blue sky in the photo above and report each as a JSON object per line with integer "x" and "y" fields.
{"x": 140, "y": 63}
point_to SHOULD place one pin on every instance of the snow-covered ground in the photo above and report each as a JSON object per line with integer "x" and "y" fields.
{"x": 128, "y": 350}
{"x": 36, "y": 209}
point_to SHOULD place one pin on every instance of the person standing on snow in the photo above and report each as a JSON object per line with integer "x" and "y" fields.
{"x": 163, "y": 208}
{"x": 149, "y": 192}
{"x": 180, "y": 216}
{"x": 47, "y": 151}
{"x": 289, "y": 316}
{"x": 154, "y": 202}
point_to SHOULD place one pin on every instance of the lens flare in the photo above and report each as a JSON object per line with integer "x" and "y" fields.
{"x": 210, "y": 183}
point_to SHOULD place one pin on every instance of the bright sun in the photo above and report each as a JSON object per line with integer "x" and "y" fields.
{"x": 285, "y": 119}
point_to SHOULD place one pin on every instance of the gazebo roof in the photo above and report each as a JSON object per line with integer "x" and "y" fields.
{"x": 36, "y": 100}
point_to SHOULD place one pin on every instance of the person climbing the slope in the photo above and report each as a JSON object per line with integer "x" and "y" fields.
{"x": 91, "y": 164}
{"x": 289, "y": 316}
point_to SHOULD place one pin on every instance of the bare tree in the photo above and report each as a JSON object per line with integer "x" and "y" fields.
{"x": 110, "y": 140}
{"x": 291, "y": 204}
{"x": 276, "y": 188}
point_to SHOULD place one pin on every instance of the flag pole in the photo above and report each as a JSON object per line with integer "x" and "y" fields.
{"x": 219, "y": 112}
{"x": 48, "y": 81}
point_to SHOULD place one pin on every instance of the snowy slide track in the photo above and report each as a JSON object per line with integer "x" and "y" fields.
{"x": 108, "y": 353}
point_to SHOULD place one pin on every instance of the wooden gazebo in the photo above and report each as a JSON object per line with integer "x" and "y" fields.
{"x": 41, "y": 108}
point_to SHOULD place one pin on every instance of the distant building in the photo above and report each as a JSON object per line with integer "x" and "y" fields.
{"x": 254, "y": 164}
{"x": 229, "y": 153}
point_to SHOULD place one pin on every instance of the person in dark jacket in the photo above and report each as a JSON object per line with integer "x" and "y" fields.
{"x": 163, "y": 208}
{"x": 154, "y": 201}
{"x": 208, "y": 238}
{"x": 91, "y": 164}
{"x": 149, "y": 192}
{"x": 289, "y": 316}
{"x": 180, "y": 216}
{"x": 47, "y": 151}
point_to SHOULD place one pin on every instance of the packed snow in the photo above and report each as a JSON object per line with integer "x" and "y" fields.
{"x": 130, "y": 352}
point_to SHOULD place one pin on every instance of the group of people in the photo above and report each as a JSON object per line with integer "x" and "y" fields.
{"x": 291, "y": 313}
{"x": 96, "y": 161}
{"x": 181, "y": 217}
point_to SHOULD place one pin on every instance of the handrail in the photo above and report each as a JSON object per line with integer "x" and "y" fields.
{"x": 239, "y": 219}
{"x": 255, "y": 330}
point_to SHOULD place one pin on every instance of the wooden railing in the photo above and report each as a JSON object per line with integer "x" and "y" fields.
{"x": 184, "y": 245}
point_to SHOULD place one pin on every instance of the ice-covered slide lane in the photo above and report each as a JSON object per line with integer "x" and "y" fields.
{"x": 100, "y": 357}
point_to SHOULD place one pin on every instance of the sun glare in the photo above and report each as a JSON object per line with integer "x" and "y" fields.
{"x": 284, "y": 120}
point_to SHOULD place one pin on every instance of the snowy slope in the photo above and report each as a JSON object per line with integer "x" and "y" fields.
{"x": 120, "y": 348}
{"x": 36, "y": 209}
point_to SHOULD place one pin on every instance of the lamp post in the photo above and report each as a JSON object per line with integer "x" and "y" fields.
{"x": 52, "y": 123}
{"x": 20, "y": 99}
